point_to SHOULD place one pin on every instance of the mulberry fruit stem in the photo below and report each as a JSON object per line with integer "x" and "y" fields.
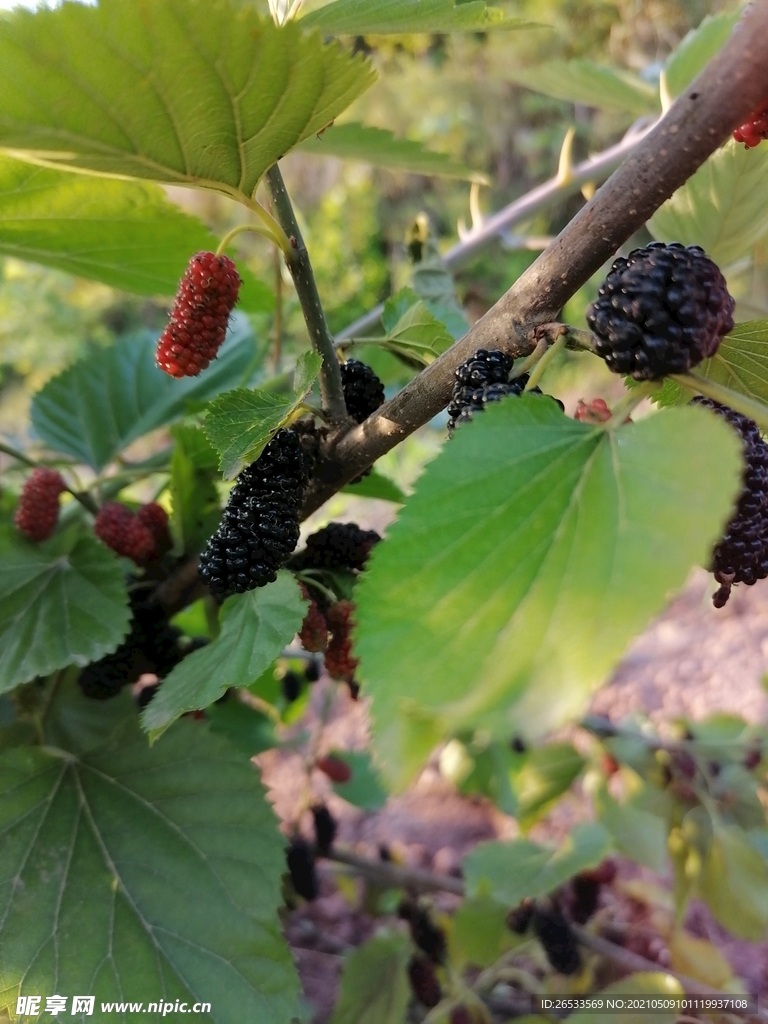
{"x": 624, "y": 407}
{"x": 747, "y": 406}
{"x": 297, "y": 259}
{"x": 269, "y": 228}
{"x": 545, "y": 361}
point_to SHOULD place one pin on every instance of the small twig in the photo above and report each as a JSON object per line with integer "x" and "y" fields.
{"x": 83, "y": 497}
{"x": 303, "y": 276}
{"x": 396, "y": 876}
{"x": 277, "y": 325}
{"x": 542, "y": 365}
{"x": 269, "y": 228}
{"x": 747, "y": 406}
{"x": 530, "y": 360}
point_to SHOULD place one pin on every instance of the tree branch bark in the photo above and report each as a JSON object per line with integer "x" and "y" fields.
{"x": 722, "y": 97}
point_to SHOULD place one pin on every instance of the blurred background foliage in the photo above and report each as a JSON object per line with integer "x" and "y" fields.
{"x": 452, "y": 93}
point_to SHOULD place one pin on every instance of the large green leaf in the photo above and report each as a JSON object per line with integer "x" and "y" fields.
{"x": 240, "y": 423}
{"x": 63, "y": 602}
{"x": 254, "y": 629}
{"x": 109, "y": 89}
{"x": 374, "y": 985}
{"x": 124, "y": 233}
{"x": 508, "y": 872}
{"x": 595, "y": 85}
{"x": 140, "y": 875}
{"x": 383, "y": 17}
{"x": 382, "y": 149}
{"x": 534, "y": 548}
{"x": 741, "y": 363}
{"x": 112, "y": 396}
{"x": 723, "y": 207}
{"x": 697, "y": 48}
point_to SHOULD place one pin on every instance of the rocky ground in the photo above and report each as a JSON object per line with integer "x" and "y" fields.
{"x": 692, "y": 661}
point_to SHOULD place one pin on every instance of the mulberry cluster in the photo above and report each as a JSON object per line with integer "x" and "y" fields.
{"x": 429, "y": 938}
{"x": 338, "y": 546}
{"x": 301, "y": 866}
{"x": 557, "y": 939}
{"x": 483, "y": 379}
{"x": 260, "y": 524}
{"x": 755, "y": 128}
{"x": 155, "y": 518}
{"x": 742, "y": 554}
{"x": 660, "y": 310}
{"x": 151, "y": 646}
{"x": 363, "y": 391}
{"x": 314, "y": 629}
{"x": 424, "y": 983}
{"x": 325, "y": 829}
{"x": 38, "y": 509}
{"x": 339, "y": 660}
{"x": 124, "y": 532}
{"x": 207, "y": 295}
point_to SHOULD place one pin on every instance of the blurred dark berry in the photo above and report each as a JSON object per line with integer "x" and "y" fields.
{"x": 424, "y": 983}
{"x": 301, "y": 864}
{"x": 325, "y": 828}
{"x": 557, "y": 939}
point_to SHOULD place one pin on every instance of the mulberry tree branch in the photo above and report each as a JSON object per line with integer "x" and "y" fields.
{"x": 722, "y": 97}
{"x": 300, "y": 267}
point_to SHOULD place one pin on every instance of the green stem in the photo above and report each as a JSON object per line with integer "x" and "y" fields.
{"x": 699, "y": 385}
{"x": 303, "y": 276}
{"x": 630, "y": 401}
{"x": 541, "y": 366}
{"x": 82, "y": 496}
{"x": 277, "y": 326}
{"x": 256, "y": 229}
{"x": 307, "y": 577}
{"x": 530, "y": 360}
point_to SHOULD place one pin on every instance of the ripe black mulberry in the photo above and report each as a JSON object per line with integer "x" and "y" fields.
{"x": 660, "y": 310}
{"x": 259, "y": 527}
{"x": 742, "y": 554}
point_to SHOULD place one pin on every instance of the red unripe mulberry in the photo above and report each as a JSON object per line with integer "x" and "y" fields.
{"x": 38, "y": 510}
{"x": 207, "y": 295}
{"x": 755, "y": 128}
{"x": 339, "y": 660}
{"x": 336, "y": 769}
{"x": 118, "y": 528}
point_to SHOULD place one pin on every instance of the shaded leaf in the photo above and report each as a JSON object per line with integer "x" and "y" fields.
{"x": 637, "y": 833}
{"x": 545, "y": 775}
{"x": 376, "y": 486}
{"x": 125, "y": 234}
{"x": 741, "y": 363}
{"x": 195, "y": 510}
{"x": 254, "y": 629}
{"x": 364, "y": 788}
{"x": 433, "y": 282}
{"x": 103, "y": 846}
{"x": 595, "y": 85}
{"x": 381, "y": 148}
{"x": 384, "y": 17}
{"x": 480, "y": 935}
{"x": 112, "y": 396}
{"x": 107, "y": 89}
{"x": 63, "y": 602}
{"x": 374, "y": 983}
{"x": 734, "y": 883}
{"x": 245, "y": 727}
{"x": 412, "y": 329}
{"x": 532, "y": 550}
{"x": 697, "y": 48}
{"x": 723, "y": 207}
{"x": 642, "y": 984}
{"x": 241, "y": 423}
{"x": 508, "y": 872}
